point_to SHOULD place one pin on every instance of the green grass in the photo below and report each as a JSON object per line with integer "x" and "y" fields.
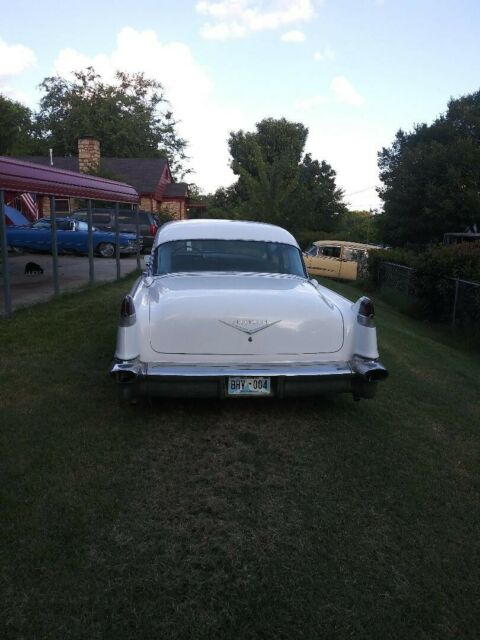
{"x": 313, "y": 519}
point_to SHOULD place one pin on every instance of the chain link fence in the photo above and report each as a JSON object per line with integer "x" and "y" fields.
{"x": 457, "y": 301}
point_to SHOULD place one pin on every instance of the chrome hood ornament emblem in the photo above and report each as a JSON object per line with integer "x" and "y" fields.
{"x": 248, "y": 325}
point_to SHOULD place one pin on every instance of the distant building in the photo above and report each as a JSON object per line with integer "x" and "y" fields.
{"x": 471, "y": 234}
{"x": 151, "y": 177}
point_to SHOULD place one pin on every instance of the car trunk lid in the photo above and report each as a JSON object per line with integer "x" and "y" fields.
{"x": 241, "y": 314}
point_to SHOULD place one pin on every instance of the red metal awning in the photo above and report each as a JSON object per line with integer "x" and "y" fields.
{"x": 16, "y": 175}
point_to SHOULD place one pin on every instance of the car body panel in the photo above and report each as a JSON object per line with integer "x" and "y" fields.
{"x": 225, "y": 304}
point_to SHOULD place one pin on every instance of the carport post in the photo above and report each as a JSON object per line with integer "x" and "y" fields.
{"x": 53, "y": 231}
{"x": 7, "y": 298}
{"x": 91, "y": 274}
{"x": 117, "y": 242}
{"x": 137, "y": 229}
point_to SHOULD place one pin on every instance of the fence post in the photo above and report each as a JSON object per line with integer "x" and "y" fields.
{"x": 53, "y": 232}
{"x": 117, "y": 241}
{"x": 91, "y": 273}
{"x": 379, "y": 276}
{"x": 137, "y": 229}
{"x": 7, "y": 298}
{"x": 455, "y": 300}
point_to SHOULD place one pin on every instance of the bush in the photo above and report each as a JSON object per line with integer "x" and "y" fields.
{"x": 432, "y": 283}
{"x": 434, "y": 268}
{"x": 377, "y": 256}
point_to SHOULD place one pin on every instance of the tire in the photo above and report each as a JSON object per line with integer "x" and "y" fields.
{"x": 106, "y": 249}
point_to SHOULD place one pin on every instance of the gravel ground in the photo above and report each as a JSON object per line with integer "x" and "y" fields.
{"x": 73, "y": 274}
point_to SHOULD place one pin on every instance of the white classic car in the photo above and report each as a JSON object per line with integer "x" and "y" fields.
{"x": 226, "y": 309}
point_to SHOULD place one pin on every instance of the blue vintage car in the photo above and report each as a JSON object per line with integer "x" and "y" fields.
{"x": 72, "y": 237}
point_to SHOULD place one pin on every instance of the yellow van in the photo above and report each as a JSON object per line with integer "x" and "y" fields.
{"x": 336, "y": 258}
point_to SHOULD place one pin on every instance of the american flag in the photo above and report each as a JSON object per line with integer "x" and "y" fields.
{"x": 30, "y": 205}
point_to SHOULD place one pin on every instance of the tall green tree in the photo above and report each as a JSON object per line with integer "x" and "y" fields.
{"x": 431, "y": 176}
{"x": 276, "y": 182}
{"x": 318, "y": 203}
{"x": 16, "y": 128}
{"x": 130, "y": 117}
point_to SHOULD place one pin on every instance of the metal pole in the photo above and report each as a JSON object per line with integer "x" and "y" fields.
{"x": 454, "y": 314}
{"x": 117, "y": 242}
{"x": 91, "y": 273}
{"x": 53, "y": 231}
{"x": 7, "y": 297}
{"x": 137, "y": 229}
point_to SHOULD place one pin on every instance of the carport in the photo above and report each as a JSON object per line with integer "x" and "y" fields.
{"x": 26, "y": 177}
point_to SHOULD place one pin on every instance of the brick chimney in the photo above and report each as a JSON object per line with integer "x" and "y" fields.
{"x": 88, "y": 154}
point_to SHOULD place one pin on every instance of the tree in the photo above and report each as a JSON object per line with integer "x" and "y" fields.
{"x": 16, "y": 128}
{"x": 319, "y": 202}
{"x": 276, "y": 183}
{"x": 360, "y": 226}
{"x": 431, "y": 176}
{"x": 125, "y": 116}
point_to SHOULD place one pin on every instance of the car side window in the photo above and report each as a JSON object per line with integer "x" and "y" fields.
{"x": 65, "y": 225}
{"x": 331, "y": 252}
{"x": 353, "y": 255}
{"x": 101, "y": 218}
{"x": 311, "y": 251}
{"x": 82, "y": 226}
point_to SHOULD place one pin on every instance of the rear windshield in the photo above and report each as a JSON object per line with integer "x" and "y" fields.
{"x": 227, "y": 255}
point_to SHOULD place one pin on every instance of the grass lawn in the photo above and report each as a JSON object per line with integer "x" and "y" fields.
{"x": 311, "y": 519}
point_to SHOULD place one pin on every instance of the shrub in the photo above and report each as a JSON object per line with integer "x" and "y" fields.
{"x": 433, "y": 286}
{"x": 377, "y": 256}
{"x": 434, "y": 268}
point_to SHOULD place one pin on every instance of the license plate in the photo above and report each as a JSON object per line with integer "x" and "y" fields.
{"x": 251, "y": 386}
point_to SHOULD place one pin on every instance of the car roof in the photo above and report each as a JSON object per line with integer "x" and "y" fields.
{"x": 223, "y": 230}
{"x": 346, "y": 243}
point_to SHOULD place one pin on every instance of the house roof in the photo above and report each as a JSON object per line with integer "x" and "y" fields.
{"x": 142, "y": 173}
{"x": 16, "y": 175}
{"x": 176, "y": 190}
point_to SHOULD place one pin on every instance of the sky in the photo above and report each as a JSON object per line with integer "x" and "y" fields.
{"x": 352, "y": 71}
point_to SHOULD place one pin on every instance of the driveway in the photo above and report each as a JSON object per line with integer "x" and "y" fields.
{"x": 72, "y": 272}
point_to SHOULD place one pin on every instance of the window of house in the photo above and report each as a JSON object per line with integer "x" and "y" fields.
{"x": 62, "y": 205}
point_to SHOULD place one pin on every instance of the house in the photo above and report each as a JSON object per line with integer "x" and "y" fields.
{"x": 151, "y": 177}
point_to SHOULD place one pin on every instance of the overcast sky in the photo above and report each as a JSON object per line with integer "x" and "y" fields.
{"x": 353, "y": 71}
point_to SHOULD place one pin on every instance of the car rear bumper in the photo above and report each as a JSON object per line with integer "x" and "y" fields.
{"x": 358, "y": 376}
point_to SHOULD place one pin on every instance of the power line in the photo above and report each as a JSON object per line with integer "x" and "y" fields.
{"x": 354, "y": 193}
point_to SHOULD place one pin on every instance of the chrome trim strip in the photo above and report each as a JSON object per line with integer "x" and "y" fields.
{"x": 222, "y": 370}
{"x": 365, "y": 321}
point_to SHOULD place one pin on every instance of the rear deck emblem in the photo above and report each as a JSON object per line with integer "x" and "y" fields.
{"x": 248, "y": 325}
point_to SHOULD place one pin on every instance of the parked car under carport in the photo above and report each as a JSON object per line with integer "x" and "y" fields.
{"x": 72, "y": 237}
